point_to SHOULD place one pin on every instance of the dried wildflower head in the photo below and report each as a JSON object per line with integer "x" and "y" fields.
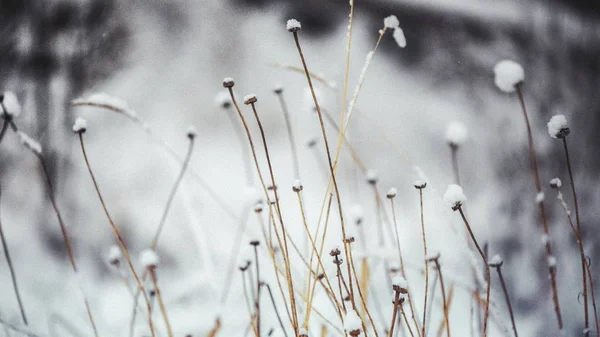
{"x": 454, "y": 196}
{"x": 293, "y": 25}
{"x": 191, "y": 132}
{"x": 228, "y": 82}
{"x": 496, "y": 261}
{"x": 250, "y": 99}
{"x": 507, "y": 75}
{"x": 80, "y": 125}
{"x": 558, "y": 127}
{"x": 297, "y": 187}
{"x": 149, "y": 259}
{"x": 399, "y": 284}
{"x": 556, "y": 183}
{"x": 255, "y": 243}
{"x": 391, "y": 193}
{"x": 420, "y": 184}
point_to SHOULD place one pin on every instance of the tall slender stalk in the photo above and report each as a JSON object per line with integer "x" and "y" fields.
{"x": 161, "y": 304}
{"x": 397, "y": 303}
{"x": 275, "y": 309}
{"x": 498, "y": 267}
{"x": 118, "y": 236}
{"x": 542, "y": 209}
{"x": 589, "y": 273}
{"x": 11, "y": 269}
{"x": 487, "y": 272}
{"x": 443, "y": 288}
{"x": 420, "y": 187}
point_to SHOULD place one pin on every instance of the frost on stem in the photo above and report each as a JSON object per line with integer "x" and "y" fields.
{"x": 556, "y": 183}
{"x": 80, "y": 125}
{"x": 11, "y": 104}
{"x": 250, "y": 99}
{"x": 114, "y": 255}
{"x": 223, "y": 100}
{"x": 293, "y": 25}
{"x": 297, "y": 187}
{"x": 496, "y": 261}
{"x": 399, "y": 37}
{"x": 149, "y": 258}
{"x": 392, "y": 193}
{"x": 456, "y": 134}
{"x": 30, "y": 143}
{"x": 391, "y": 22}
{"x": 352, "y": 323}
{"x": 454, "y": 196}
{"x": 540, "y": 197}
{"x": 551, "y": 262}
{"x": 558, "y": 127}
{"x": 191, "y": 132}
{"x": 104, "y": 100}
{"x": 507, "y": 74}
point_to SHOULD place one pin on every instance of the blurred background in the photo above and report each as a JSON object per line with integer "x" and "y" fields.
{"x": 167, "y": 59}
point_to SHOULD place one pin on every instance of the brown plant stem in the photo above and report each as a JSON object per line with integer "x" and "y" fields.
{"x": 579, "y": 235}
{"x": 426, "y": 262}
{"x": 331, "y": 167}
{"x": 589, "y": 273}
{"x": 406, "y": 320}
{"x": 508, "y": 303}
{"x": 118, "y": 236}
{"x": 258, "y": 283}
{"x": 275, "y": 309}
{"x": 11, "y": 269}
{"x": 394, "y": 313}
{"x": 487, "y": 272}
{"x": 161, "y": 304}
{"x": 538, "y": 186}
{"x": 443, "y": 288}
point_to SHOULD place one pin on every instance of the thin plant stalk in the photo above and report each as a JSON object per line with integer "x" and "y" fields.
{"x": 579, "y": 235}
{"x": 288, "y": 126}
{"x": 252, "y": 323}
{"x": 11, "y": 269}
{"x": 406, "y": 320}
{"x": 363, "y": 299}
{"x": 331, "y": 166}
{"x": 394, "y": 313}
{"x": 161, "y": 304}
{"x": 118, "y": 236}
{"x": 538, "y": 186}
{"x": 258, "y": 287}
{"x": 508, "y": 303}
{"x": 487, "y": 272}
{"x": 426, "y": 262}
{"x": 443, "y": 289}
{"x": 589, "y": 273}
{"x": 275, "y": 309}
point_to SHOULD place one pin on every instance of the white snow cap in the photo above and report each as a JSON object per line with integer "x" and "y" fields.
{"x": 352, "y": 321}
{"x": 456, "y": 133}
{"x": 357, "y": 212}
{"x": 399, "y": 37}
{"x": 556, "y": 183}
{"x": 551, "y": 261}
{"x": 496, "y": 260}
{"x": 302, "y": 332}
{"x": 372, "y": 176}
{"x": 223, "y": 100}
{"x": 391, "y": 22}
{"x": 252, "y": 194}
{"x": 30, "y": 143}
{"x": 420, "y": 184}
{"x": 104, "y": 100}
{"x": 454, "y": 195}
{"x": 80, "y": 125}
{"x": 392, "y": 192}
{"x": 297, "y": 184}
{"x": 545, "y": 239}
{"x": 293, "y": 25}
{"x": 540, "y": 197}
{"x": 400, "y": 282}
{"x": 149, "y": 258}
{"x": 507, "y": 74}
{"x": 249, "y": 98}
{"x": 556, "y": 124}
{"x": 11, "y": 103}
{"x": 192, "y": 132}
{"x": 114, "y": 254}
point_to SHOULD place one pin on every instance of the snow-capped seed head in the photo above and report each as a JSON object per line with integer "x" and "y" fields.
{"x": 228, "y": 82}
{"x": 540, "y": 197}
{"x": 399, "y": 37}
{"x": 551, "y": 262}
{"x": 149, "y": 258}
{"x": 496, "y": 261}
{"x": 297, "y": 187}
{"x": 456, "y": 134}
{"x": 254, "y": 243}
{"x": 357, "y": 213}
{"x": 114, "y": 255}
{"x": 223, "y": 100}
{"x": 30, "y": 143}
{"x": 258, "y": 207}
{"x": 391, "y": 22}
{"x": 10, "y": 104}
{"x": 352, "y": 323}
{"x": 432, "y": 256}
{"x": 392, "y": 193}
{"x": 556, "y": 183}
{"x": 245, "y": 265}
{"x": 278, "y": 88}
{"x": 507, "y": 75}
{"x": 293, "y": 25}
{"x": 80, "y": 125}
{"x": 400, "y": 284}
{"x": 302, "y": 332}
{"x": 545, "y": 239}
{"x": 192, "y": 132}
{"x": 250, "y": 99}
{"x": 420, "y": 184}
{"x": 372, "y": 177}
{"x": 454, "y": 196}
{"x": 558, "y": 127}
